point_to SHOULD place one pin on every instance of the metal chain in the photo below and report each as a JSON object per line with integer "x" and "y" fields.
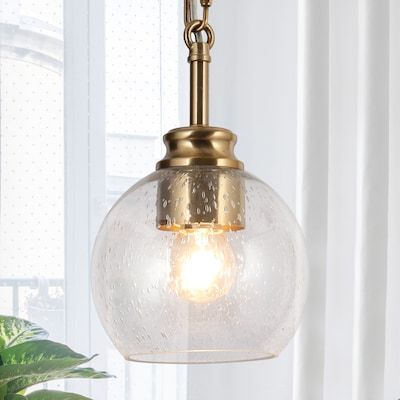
{"x": 194, "y": 26}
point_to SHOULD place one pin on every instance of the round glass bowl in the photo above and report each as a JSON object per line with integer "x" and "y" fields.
{"x": 173, "y": 285}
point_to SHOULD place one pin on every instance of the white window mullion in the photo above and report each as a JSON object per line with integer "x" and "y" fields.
{"x": 97, "y": 163}
{"x": 77, "y": 228}
{"x": 97, "y": 207}
{"x": 85, "y": 174}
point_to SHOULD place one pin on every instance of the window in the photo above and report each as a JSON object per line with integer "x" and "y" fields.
{"x": 87, "y": 90}
{"x": 141, "y": 87}
{"x": 32, "y": 163}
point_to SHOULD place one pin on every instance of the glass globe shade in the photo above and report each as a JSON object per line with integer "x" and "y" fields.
{"x": 203, "y": 294}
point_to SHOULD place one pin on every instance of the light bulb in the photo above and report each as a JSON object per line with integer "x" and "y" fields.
{"x": 203, "y": 265}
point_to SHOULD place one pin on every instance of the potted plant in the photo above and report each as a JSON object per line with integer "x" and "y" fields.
{"x": 27, "y": 358}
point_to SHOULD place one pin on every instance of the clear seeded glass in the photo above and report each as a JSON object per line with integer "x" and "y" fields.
{"x": 245, "y": 304}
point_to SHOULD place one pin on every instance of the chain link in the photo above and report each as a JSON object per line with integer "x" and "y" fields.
{"x": 195, "y": 26}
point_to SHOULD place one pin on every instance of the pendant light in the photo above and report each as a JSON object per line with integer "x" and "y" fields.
{"x": 199, "y": 262}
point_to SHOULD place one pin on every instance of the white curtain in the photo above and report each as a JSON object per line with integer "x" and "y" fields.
{"x": 344, "y": 125}
{"x": 348, "y": 346}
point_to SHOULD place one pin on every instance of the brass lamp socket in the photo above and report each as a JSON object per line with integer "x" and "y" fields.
{"x": 191, "y": 199}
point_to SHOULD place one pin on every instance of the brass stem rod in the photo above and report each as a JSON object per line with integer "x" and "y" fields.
{"x": 199, "y": 59}
{"x": 199, "y": 83}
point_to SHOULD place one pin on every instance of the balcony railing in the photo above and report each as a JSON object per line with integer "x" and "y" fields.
{"x": 16, "y": 284}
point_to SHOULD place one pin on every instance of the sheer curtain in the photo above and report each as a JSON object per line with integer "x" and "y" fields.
{"x": 343, "y": 124}
{"x": 311, "y": 87}
{"x": 348, "y": 346}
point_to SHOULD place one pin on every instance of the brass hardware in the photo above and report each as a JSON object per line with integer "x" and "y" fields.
{"x": 200, "y": 146}
{"x": 200, "y": 52}
{"x": 199, "y": 59}
{"x": 185, "y": 199}
{"x": 188, "y": 8}
{"x": 193, "y": 28}
{"x": 189, "y": 13}
{"x": 189, "y": 199}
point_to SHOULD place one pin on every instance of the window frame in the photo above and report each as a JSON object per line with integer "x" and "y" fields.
{"x": 86, "y": 202}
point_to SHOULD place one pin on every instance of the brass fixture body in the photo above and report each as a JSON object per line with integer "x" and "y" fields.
{"x": 190, "y": 199}
{"x": 178, "y": 205}
{"x": 200, "y": 146}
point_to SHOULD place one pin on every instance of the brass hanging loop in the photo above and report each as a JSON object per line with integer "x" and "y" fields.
{"x": 206, "y": 4}
{"x": 196, "y": 26}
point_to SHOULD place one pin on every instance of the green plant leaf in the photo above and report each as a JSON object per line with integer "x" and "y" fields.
{"x": 25, "y": 381}
{"x": 54, "y": 395}
{"x": 14, "y": 331}
{"x": 36, "y": 358}
{"x": 14, "y": 396}
{"x": 3, "y": 391}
